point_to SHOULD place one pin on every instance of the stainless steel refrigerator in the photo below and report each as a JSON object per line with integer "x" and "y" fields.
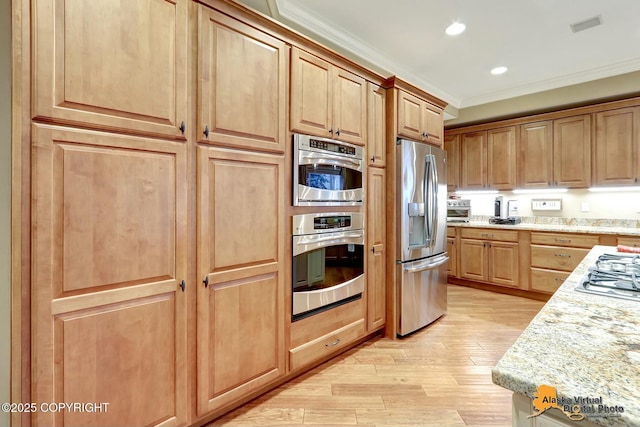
{"x": 421, "y": 256}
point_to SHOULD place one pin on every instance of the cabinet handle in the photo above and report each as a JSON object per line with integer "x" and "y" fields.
{"x": 331, "y": 131}
{"x": 559, "y": 279}
{"x": 549, "y": 183}
{"x": 556, "y": 183}
{"x": 373, "y": 159}
{"x": 487, "y": 235}
{"x": 182, "y": 127}
{"x": 563, "y": 240}
{"x": 338, "y": 132}
{"x": 636, "y": 180}
{"x": 206, "y": 131}
{"x": 333, "y": 344}
{"x": 426, "y": 135}
{"x": 183, "y": 285}
{"x": 206, "y": 281}
{"x": 563, "y": 255}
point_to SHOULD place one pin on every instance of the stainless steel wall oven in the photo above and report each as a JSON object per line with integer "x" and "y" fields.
{"x": 328, "y": 261}
{"x": 326, "y": 172}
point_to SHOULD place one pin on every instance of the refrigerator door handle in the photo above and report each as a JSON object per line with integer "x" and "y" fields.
{"x": 427, "y": 265}
{"x": 430, "y": 198}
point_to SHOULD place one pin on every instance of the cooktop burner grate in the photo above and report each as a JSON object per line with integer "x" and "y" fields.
{"x": 615, "y": 276}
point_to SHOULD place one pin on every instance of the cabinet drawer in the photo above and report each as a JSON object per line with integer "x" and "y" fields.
{"x": 556, "y": 258}
{"x": 490, "y": 234}
{"x": 451, "y": 232}
{"x": 326, "y": 344}
{"x": 565, "y": 239}
{"x": 628, "y": 241}
{"x": 547, "y": 280}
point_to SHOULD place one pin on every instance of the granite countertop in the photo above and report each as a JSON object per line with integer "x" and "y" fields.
{"x": 584, "y": 345}
{"x": 567, "y": 225}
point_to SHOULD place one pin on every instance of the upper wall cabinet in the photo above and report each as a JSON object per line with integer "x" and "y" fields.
{"x": 535, "y": 155}
{"x": 452, "y": 147}
{"x": 488, "y": 159}
{"x": 572, "y": 151}
{"x": 617, "y": 157}
{"x": 419, "y": 119}
{"x": 376, "y": 132}
{"x": 326, "y": 100}
{"x": 115, "y": 65}
{"x": 242, "y": 91}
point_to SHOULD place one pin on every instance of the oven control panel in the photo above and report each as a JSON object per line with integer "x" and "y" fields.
{"x": 327, "y": 222}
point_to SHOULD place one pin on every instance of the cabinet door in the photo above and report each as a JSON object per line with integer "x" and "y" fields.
{"x": 376, "y": 129}
{"x": 572, "y": 152}
{"x": 535, "y": 156}
{"x": 311, "y": 94}
{"x": 501, "y": 158}
{"x": 473, "y": 161}
{"x": 503, "y": 263}
{"x": 376, "y": 223}
{"x": 242, "y": 84}
{"x": 432, "y": 124}
{"x": 453, "y": 257}
{"x": 452, "y": 147}
{"x": 474, "y": 262}
{"x": 109, "y": 253}
{"x": 409, "y": 116}
{"x": 241, "y": 238}
{"x": 117, "y": 65}
{"x": 616, "y": 144}
{"x": 349, "y": 106}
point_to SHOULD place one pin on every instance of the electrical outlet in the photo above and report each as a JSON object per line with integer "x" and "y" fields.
{"x": 546, "y": 204}
{"x": 584, "y": 207}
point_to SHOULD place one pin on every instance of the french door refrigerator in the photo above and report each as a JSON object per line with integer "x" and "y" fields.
{"x": 421, "y": 257}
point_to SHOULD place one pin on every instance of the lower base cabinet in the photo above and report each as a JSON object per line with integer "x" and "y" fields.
{"x": 491, "y": 256}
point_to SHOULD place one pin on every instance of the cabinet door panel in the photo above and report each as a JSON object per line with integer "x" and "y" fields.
{"x": 572, "y": 152}
{"x": 432, "y": 118}
{"x": 535, "y": 157}
{"x": 473, "y": 147}
{"x": 503, "y": 259}
{"x": 376, "y": 223}
{"x": 376, "y": 130}
{"x": 349, "y": 106}
{"x": 109, "y": 252}
{"x": 241, "y": 239}
{"x": 617, "y": 139}
{"x": 409, "y": 116}
{"x": 473, "y": 260}
{"x": 311, "y": 97}
{"x": 112, "y": 64}
{"x": 452, "y": 147}
{"x": 453, "y": 257}
{"x": 501, "y": 158}
{"x": 243, "y": 84}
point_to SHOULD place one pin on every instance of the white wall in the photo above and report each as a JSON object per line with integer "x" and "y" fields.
{"x": 5, "y": 205}
{"x": 614, "y": 205}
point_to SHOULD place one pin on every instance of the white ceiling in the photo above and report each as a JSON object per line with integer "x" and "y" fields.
{"x": 530, "y": 37}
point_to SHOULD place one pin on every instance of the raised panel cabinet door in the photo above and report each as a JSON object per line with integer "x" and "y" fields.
{"x": 473, "y": 161}
{"x": 474, "y": 260}
{"x": 432, "y": 124}
{"x": 504, "y": 261}
{"x": 409, "y": 116}
{"x": 452, "y": 266}
{"x": 452, "y": 147}
{"x": 349, "y": 106}
{"x": 242, "y": 87}
{"x": 109, "y": 231}
{"x": 376, "y": 223}
{"x": 535, "y": 155}
{"x": 240, "y": 257}
{"x": 115, "y": 65}
{"x": 376, "y": 129}
{"x": 572, "y": 152}
{"x": 501, "y": 158}
{"x": 616, "y": 159}
{"x": 311, "y": 94}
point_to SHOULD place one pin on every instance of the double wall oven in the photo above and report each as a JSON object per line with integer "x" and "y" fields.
{"x": 328, "y": 247}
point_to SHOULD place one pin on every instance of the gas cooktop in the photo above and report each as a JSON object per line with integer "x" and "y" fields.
{"x": 613, "y": 275}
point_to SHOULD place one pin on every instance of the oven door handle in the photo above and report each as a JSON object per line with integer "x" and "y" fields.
{"x": 302, "y": 244}
{"x": 334, "y": 236}
{"x": 345, "y": 163}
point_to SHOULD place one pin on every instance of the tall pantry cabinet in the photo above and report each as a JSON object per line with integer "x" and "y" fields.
{"x": 158, "y": 210}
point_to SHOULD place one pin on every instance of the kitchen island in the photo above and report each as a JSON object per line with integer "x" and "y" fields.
{"x": 583, "y": 345}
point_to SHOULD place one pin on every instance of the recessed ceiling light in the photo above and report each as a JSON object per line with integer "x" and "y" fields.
{"x": 455, "y": 28}
{"x": 499, "y": 70}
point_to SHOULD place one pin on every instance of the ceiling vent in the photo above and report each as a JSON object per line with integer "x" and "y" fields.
{"x": 586, "y": 24}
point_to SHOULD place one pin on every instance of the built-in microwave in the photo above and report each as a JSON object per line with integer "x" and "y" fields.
{"x": 326, "y": 172}
{"x": 458, "y": 210}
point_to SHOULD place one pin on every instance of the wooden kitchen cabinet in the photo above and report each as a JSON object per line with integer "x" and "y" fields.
{"x": 452, "y": 250}
{"x": 419, "y": 120}
{"x": 572, "y": 152}
{"x": 376, "y": 124}
{"x": 376, "y": 235}
{"x": 629, "y": 241}
{"x": 617, "y": 156}
{"x": 327, "y": 100}
{"x": 488, "y": 255}
{"x": 240, "y": 258}
{"x": 535, "y": 155}
{"x": 473, "y": 161}
{"x": 488, "y": 159}
{"x": 452, "y": 147}
{"x": 109, "y": 277}
{"x": 112, "y": 65}
{"x": 242, "y": 75}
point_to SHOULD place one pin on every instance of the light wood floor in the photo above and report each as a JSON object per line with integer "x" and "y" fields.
{"x": 440, "y": 376}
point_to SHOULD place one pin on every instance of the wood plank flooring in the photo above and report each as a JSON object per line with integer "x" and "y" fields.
{"x": 440, "y": 376}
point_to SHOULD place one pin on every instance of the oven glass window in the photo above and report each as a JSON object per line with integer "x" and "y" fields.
{"x": 327, "y": 267}
{"x": 458, "y": 212}
{"x": 334, "y": 178}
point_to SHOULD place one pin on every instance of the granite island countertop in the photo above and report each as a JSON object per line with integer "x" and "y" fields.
{"x": 583, "y": 345}
{"x": 564, "y": 225}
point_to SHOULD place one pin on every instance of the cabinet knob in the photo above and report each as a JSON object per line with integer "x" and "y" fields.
{"x": 182, "y": 128}
{"x": 373, "y": 159}
{"x": 206, "y": 131}
{"x": 183, "y": 285}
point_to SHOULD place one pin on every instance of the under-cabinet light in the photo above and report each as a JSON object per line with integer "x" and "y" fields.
{"x": 472, "y": 192}
{"x": 540, "y": 190}
{"x": 613, "y": 189}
